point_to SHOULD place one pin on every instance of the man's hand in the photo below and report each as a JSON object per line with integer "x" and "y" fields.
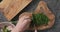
{"x": 22, "y": 24}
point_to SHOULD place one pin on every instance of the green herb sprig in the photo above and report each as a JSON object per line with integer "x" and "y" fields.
{"x": 39, "y": 19}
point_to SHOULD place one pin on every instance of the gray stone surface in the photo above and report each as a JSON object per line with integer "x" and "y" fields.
{"x": 2, "y": 17}
{"x": 54, "y": 6}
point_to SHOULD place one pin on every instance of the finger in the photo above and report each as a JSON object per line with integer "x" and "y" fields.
{"x": 10, "y": 27}
{"x": 23, "y": 26}
{"x": 23, "y": 18}
{"x": 24, "y": 23}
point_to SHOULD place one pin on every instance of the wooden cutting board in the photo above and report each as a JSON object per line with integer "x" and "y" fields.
{"x": 4, "y": 3}
{"x": 11, "y": 8}
{"x": 42, "y": 8}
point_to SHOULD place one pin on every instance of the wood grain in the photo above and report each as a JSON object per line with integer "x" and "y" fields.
{"x": 5, "y": 3}
{"x": 13, "y": 7}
